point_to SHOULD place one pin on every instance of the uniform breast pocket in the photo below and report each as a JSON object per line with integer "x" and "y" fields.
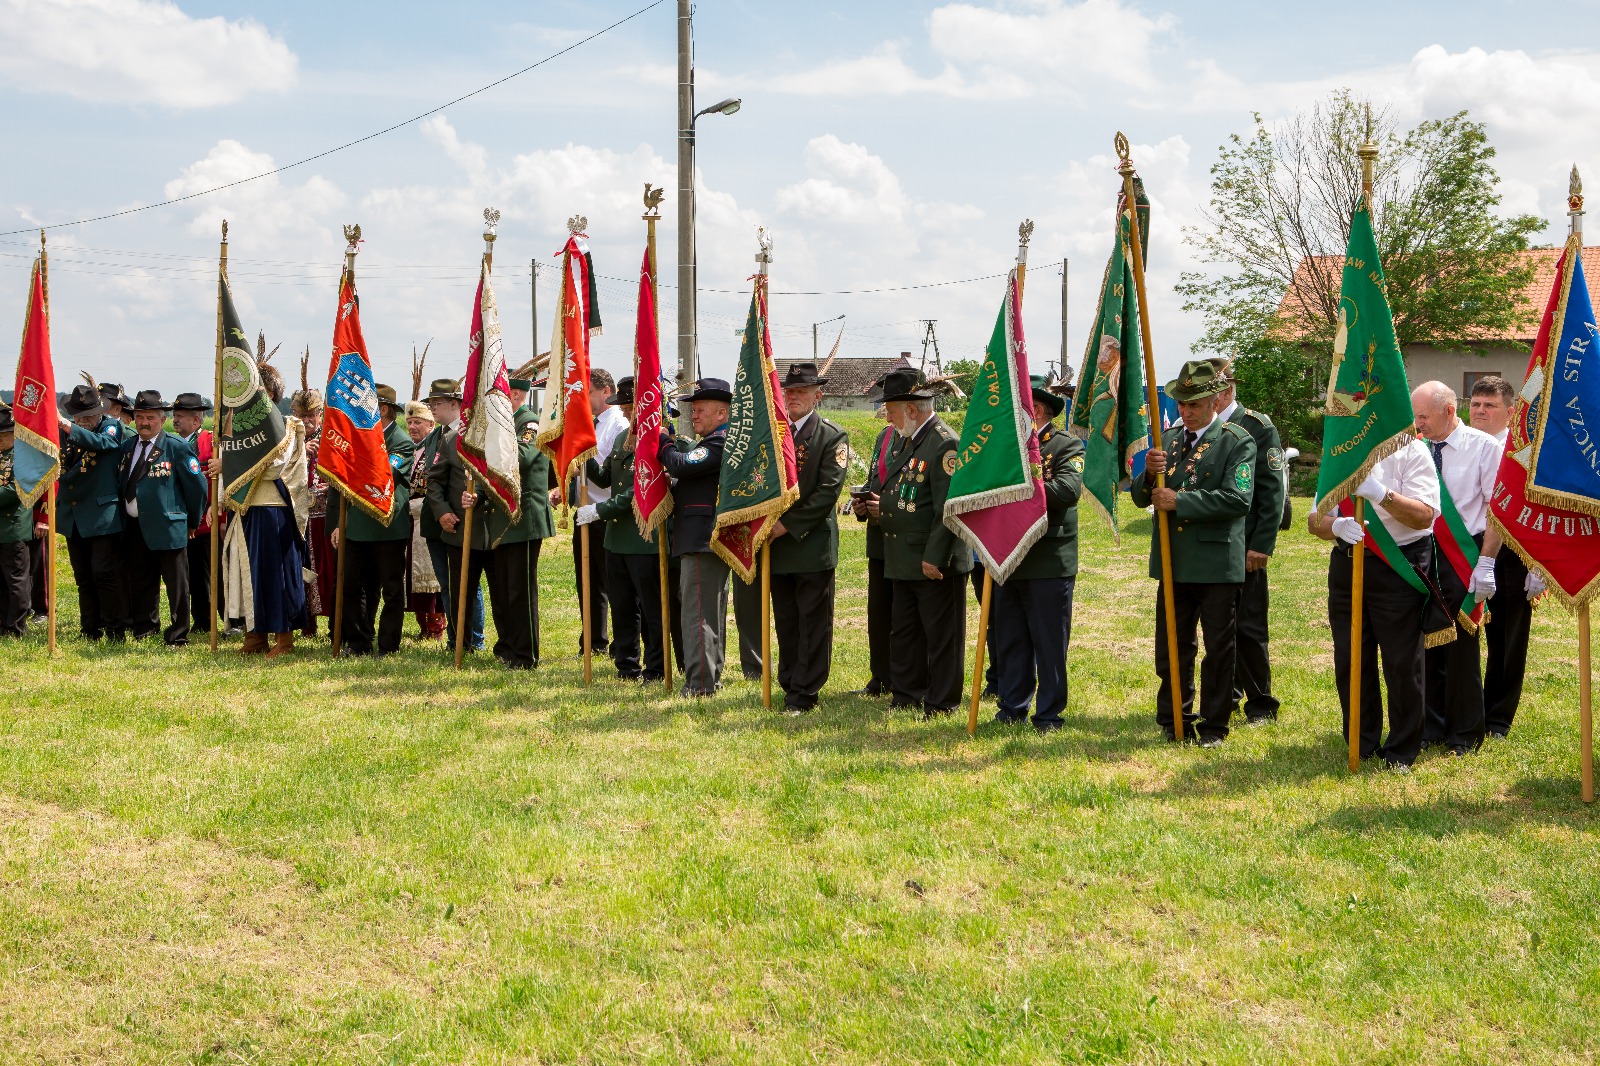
{"x": 177, "y": 516}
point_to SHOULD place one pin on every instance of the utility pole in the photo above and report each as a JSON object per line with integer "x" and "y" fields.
{"x": 929, "y": 338}
{"x": 688, "y": 371}
{"x": 1065, "y": 373}
{"x": 533, "y": 302}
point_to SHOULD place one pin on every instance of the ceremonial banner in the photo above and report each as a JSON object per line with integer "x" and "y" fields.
{"x": 36, "y": 455}
{"x": 251, "y": 433}
{"x": 1438, "y": 617}
{"x": 1548, "y": 495}
{"x": 566, "y": 431}
{"x": 759, "y": 474}
{"x": 996, "y": 499}
{"x": 1108, "y": 410}
{"x": 1459, "y": 552}
{"x": 487, "y": 442}
{"x": 652, "y": 495}
{"x": 1368, "y": 406}
{"x": 353, "y": 455}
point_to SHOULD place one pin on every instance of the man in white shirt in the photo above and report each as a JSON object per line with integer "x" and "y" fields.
{"x": 610, "y": 426}
{"x": 1468, "y": 461}
{"x": 1402, "y": 493}
{"x": 1505, "y": 634}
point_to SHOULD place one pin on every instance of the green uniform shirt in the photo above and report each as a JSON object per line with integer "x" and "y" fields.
{"x": 447, "y": 480}
{"x": 621, "y": 527}
{"x": 1213, "y": 482}
{"x": 810, "y": 543}
{"x": 1056, "y": 553}
{"x": 362, "y": 526}
{"x": 911, "y": 509}
{"x": 1266, "y": 506}
{"x": 534, "y": 521}
{"x": 16, "y": 521}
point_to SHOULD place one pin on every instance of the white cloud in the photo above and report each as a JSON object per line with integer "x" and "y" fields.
{"x": 138, "y": 51}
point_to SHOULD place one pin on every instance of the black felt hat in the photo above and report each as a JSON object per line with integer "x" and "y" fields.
{"x": 710, "y": 389}
{"x": 150, "y": 400}
{"x": 904, "y": 385}
{"x": 624, "y": 393}
{"x": 190, "y": 401}
{"x": 802, "y": 374}
{"x": 84, "y": 400}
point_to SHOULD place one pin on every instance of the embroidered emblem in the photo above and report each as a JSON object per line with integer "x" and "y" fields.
{"x": 949, "y": 464}
{"x": 194, "y": 465}
{"x": 1241, "y": 477}
{"x": 530, "y": 434}
{"x": 697, "y": 455}
{"x": 394, "y": 461}
{"x": 841, "y": 455}
{"x": 1274, "y": 459}
{"x": 1076, "y": 462}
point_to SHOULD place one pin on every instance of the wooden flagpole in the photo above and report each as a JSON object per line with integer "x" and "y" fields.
{"x": 1368, "y": 151}
{"x": 352, "y": 236}
{"x": 1585, "y": 705}
{"x": 766, "y": 628}
{"x": 216, "y": 453}
{"x": 1180, "y": 728}
{"x": 652, "y": 203}
{"x": 1024, "y": 234}
{"x": 50, "y": 494}
{"x": 461, "y": 593}
{"x": 588, "y": 629}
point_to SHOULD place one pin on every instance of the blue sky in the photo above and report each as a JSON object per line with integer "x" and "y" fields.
{"x": 885, "y": 144}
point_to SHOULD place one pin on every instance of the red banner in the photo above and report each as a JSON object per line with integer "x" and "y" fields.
{"x": 37, "y": 452}
{"x": 567, "y": 426}
{"x": 652, "y": 494}
{"x": 353, "y": 455}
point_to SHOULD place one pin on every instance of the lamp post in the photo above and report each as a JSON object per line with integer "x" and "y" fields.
{"x": 688, "y": 356}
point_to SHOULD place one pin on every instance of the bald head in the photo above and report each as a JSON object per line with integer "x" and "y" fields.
{"x": 1433, "y": 403}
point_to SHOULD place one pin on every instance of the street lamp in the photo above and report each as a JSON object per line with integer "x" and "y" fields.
{"x": 688, "y": 357}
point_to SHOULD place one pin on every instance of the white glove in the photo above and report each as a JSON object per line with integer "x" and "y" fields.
{"x": 1348, "y": 531}
{"x": 1533, "y": 586}
{"x": 1482, "y": 583}
{"x": 1373, "y": 489}
{"x": 587, "y": 514}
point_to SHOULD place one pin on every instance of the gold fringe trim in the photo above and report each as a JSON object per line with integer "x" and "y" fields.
{"x": 1329, "y": 502}
{"x": 1439, "y": 638}
{"x": 359, "y": 500}
{"x": 1551, "y": 585}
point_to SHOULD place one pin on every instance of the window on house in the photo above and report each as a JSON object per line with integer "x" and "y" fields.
{"x": 1472, "y": 377}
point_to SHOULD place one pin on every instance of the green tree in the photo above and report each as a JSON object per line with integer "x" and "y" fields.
{"x": 1280, "y": 204}
{"x": 963, "y": 373}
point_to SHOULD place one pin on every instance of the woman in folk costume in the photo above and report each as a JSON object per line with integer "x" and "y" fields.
{"x": 265, "y": 552}
{"x": 306, "y": 405}
{"x": 425, "y": 595}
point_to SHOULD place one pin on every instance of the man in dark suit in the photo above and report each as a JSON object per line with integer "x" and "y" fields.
{"x": 880, "y": 590}
{"x": 188, "y": 416}
{"x": 1032, "y": 611}
{"x": 87, "y": 513}
{"x": 1208, "y": 498}
{"x": 376, "y": 565}
{"x": 436, "y": 449}
{"x": 703, "y": 575}
{"x": 926, "y": 561}
{"x": 162, "y": 494}
{"x": 805, "y": 544}
{"x": 16, "y": 534}
{"x": 514, "y": 562}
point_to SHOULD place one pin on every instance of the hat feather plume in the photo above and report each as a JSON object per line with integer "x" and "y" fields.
{"x": 417, "y": 363}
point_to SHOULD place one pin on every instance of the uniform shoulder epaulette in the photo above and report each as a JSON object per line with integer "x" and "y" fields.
{"x": 947, "y": 433}
{"x": 1260, "y": 417}
{"x": 1237, "y": 430}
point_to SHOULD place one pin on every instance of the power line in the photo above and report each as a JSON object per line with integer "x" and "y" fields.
{"x": 348, "y": 144}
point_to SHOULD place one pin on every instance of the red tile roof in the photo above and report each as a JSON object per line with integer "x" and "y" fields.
{"x": 1535, "y": 296}
{"x": 848, "y": 377}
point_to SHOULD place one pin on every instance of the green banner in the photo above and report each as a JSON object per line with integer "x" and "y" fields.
{"x": 1368, "y": 405}
{"x": 1108, "y": 411}
{"x": 250, "y": 428}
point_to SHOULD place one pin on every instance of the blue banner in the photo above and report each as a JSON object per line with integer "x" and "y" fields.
{"x": 1565, "y": 470}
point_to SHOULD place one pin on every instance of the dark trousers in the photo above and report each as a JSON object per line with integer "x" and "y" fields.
{"x": 1506, "y": 640}
{"x": 16, "y": 588}
{"x": 479, "y": 563}
{"x": 880, "y": 620}
{"x": 599, "y": 598}
{"x": 634, "y": 582}
{"x": 374, "y": 570}
{"x": 440, "y": 553}
{"x": 145, "y": 571}
{"x": 1031, "y": 622}
{"x": 928, "y": 642}
{"x": 199, "y": 553}
{"x": 746, "y": 598}
{"x": 1210, "y": 609}
{"x": 1391, "y": 621}
{"x": 802, "y": 613}
{"x": 1252, "y": 666}
{"x": 514, "y": 599}
{"x": 1452, "y": 684}
{"x": 41, "y": 579}
{"x": 101, "y": 601}
{"x": 991, "y": 670}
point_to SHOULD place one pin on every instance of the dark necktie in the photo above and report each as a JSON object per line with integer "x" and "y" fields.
{"x": 1438, "y": 455}
{"x": 135, "y": 469}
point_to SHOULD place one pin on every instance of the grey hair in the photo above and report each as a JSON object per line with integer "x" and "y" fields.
{"x": 1441, "y": 394}
{"x": 923, "y": 407}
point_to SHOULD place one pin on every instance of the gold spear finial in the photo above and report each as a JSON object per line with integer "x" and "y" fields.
{"x": 1124, "y": 154}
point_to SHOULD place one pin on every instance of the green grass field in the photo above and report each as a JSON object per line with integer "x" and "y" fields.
{"x": 209, "y": 860}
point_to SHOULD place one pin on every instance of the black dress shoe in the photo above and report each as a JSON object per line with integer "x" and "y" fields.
{"x": 903, "y": 705}
{"x": 1048, "y": 727}
{"x": 1211, "y": 742}
{"x": 931, "y": 713}
{"x": 871, "y": 692}
{"x": 794, "y": 710}
{"x": 1010, "y": 717}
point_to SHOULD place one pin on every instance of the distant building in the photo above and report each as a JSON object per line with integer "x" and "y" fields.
{"x": 1483, "y": 357}
{"x": 849, "y": 379}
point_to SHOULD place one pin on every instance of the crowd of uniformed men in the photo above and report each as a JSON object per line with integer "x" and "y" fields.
{"x": 133, "y": 506}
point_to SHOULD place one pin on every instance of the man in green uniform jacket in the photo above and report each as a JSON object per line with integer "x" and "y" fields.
{"x": 805, "y": 544}
{"x": 514, "y": 546}
{"x": 163, "y": 498}
{"x": 87, "y": 513}
{"x": 924, "y": 559}
{"x": 633, "y": 567}
{"x": 444, "y": 400}
{"x": 1032, "y": 610}
{"x": 376, "y": 564}
{"x": 1252, "y": 671}
{"x": 16, "y": 535}
{"x": 1207, "y": 498}
{"x": 880, "y": 590}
